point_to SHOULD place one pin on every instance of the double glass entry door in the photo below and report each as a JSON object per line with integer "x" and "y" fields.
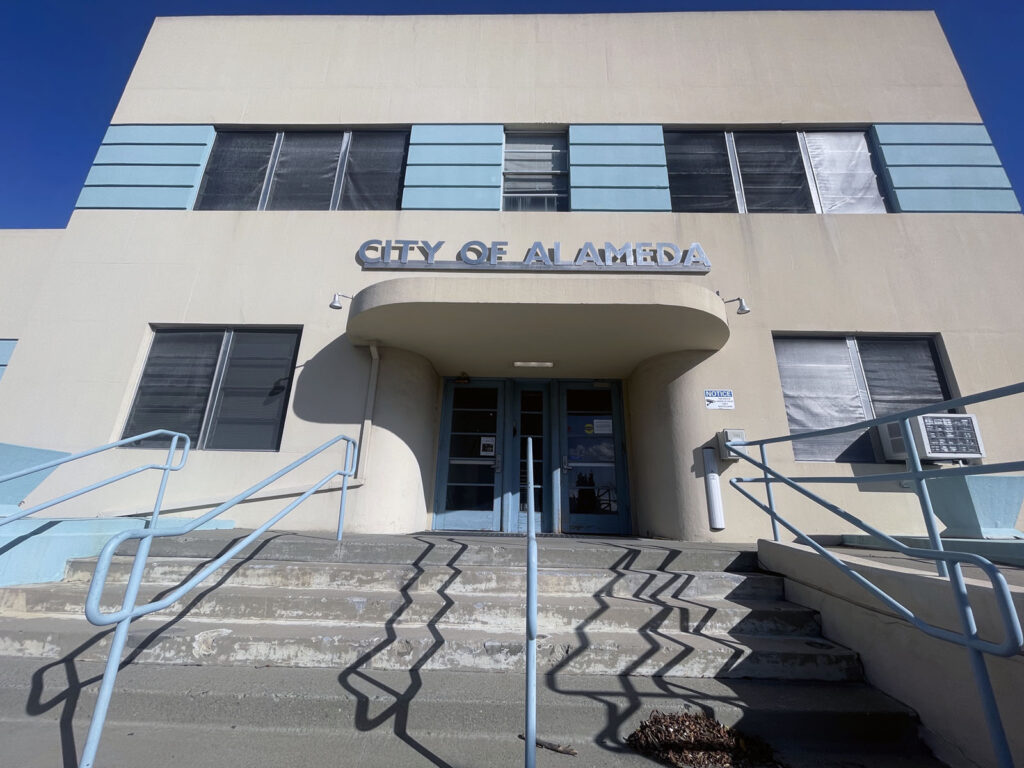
{"x": 578, "y": 451}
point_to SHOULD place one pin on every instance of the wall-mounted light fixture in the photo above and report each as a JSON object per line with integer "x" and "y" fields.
{"x": 336, "y": 301}
{"x": 742, "y": 309}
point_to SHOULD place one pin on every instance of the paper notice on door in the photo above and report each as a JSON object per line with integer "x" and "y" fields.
{"x": 487, "y": 445}
{"x": 602, "y": 426}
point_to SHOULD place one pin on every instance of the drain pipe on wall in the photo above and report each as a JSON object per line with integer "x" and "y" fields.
{"x": 713, "y": 490}
{"x": 367, "y": 426}
{"x": 713, "y": 453}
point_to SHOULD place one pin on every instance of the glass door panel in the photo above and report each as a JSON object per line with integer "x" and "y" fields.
{"x": 593, "y": 460}
{"x": 470, "y": 481}
{"x": 530, "y": 419}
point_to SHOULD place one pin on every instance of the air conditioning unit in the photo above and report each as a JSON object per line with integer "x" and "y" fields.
{"x": 938, "y": 436}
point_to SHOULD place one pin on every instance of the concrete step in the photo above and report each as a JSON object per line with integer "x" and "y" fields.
{"x": 465, "y": 549}
{"x": 492, "y": 612}
{"x": 238, "y": 716}
{"x": 402, "y": 647}
{"x": 478, "y": 579}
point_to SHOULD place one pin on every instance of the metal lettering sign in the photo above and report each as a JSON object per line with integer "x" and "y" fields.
{"x": 478, "y": 255}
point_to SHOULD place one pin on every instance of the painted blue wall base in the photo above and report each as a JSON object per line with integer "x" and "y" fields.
{"x": 17, "y": 457}
{"x": 37, "y": 550}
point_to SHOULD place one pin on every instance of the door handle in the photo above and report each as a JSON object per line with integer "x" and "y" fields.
{"x": 497, "y": 463}
{"x": 565, "y": 464}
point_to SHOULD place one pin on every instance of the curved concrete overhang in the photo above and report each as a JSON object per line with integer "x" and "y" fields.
{"x": 588, "y": 327}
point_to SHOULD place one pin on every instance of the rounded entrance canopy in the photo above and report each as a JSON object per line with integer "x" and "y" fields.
{"x": 587, "y": 327}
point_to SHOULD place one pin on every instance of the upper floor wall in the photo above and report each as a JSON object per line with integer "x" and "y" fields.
{"x": 739, "y": 69}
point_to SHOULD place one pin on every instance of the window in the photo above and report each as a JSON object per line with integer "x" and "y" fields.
{"x": 226, "y": 388}
{"x": 536, "y": 172}
{"x": 304, "y": 171}
{"x": 6, "y": 350}
{"x": 829, "y": 382}
{"x": 771, "y": 172}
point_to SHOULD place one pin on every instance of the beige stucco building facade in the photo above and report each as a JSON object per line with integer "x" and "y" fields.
{"x": 619, "y": 357}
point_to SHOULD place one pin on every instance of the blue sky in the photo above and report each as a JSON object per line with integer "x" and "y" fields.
{"x": 63, "y": 65}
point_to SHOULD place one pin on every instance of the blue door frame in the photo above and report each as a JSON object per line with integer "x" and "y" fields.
{"x": 481, "y": 467}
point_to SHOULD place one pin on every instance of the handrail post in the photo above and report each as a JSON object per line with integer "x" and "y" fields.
{"x": 117, "y": 643}
{"x": 923, "y": 496}
{"x": 531, "y": 615}
{"x": 350, "y": 464}
{"x": 770, "y": 495}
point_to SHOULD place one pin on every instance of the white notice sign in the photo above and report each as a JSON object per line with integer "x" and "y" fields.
{"x": 719, "y": 400}
{"x": 487, "y": 445}
{"x": 602, "y": 426}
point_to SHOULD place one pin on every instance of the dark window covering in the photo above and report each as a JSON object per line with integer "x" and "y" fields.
{"x": 373, "y": 171}
{"x": 306, "y": 168}
{"x": 772, "y": 173}
{"x": 901, "y": 374}
{"x": 699, "y": 175}
{"x": 175, "y": 385}
{"x": 250, "y": 406}
{"x": 304, "y": 174}
{"x": 246, "y": 403}
{"x": 236, "y": 171}
{"x": 822, "y": 388}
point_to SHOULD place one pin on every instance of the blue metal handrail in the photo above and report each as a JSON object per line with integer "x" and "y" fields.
{"x": 530, "y": 755}
{"x": 130, "y": 610}
{"x": 170, "y": 465}
{"x": 1013, "y": 638}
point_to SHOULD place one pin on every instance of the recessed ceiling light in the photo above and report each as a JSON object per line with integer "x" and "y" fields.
{"x": 533, "y": 364}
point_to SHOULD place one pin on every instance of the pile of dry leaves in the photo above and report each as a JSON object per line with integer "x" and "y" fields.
{"x": 697, "y": 741}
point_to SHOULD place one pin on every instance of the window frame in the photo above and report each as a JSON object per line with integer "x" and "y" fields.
{"x": 853, "y": 340}
{"x": 739, "y": 192}
{"x": 340, "y": 174}
{"x": 560, "y": 199}
{"x": 215, "y": 394}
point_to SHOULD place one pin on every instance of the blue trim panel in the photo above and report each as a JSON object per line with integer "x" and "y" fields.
{"x": 939, "y": 154}
{"x": 596, "y": 199}
{"x": 962, "y": 176}
{"x": 6, "y": 350}
{"x": 946, "y": 168}
{"x": 452, "y": 198}
{"x": 618, "y": 168}
{"x": 958, "y": 200}
{"x": 148, "y": 166}
{"x": 586, "y": 199}
{"x": 144, "y": 175}
{"x": 455, "y": 154}
{"x": 457, "y": 134}
{"x": 453, "y": 176}
{"x": 931, "y": 133}
{"x": 169, "y": 198}
{"x": 454, "y": 167}
{"x": 614, "y": 154}
{"x": 616, "y": 134}
{"x": 150, "y": 154}
{"x": 160, "y": 134}
{"x": 640, "y": 176}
